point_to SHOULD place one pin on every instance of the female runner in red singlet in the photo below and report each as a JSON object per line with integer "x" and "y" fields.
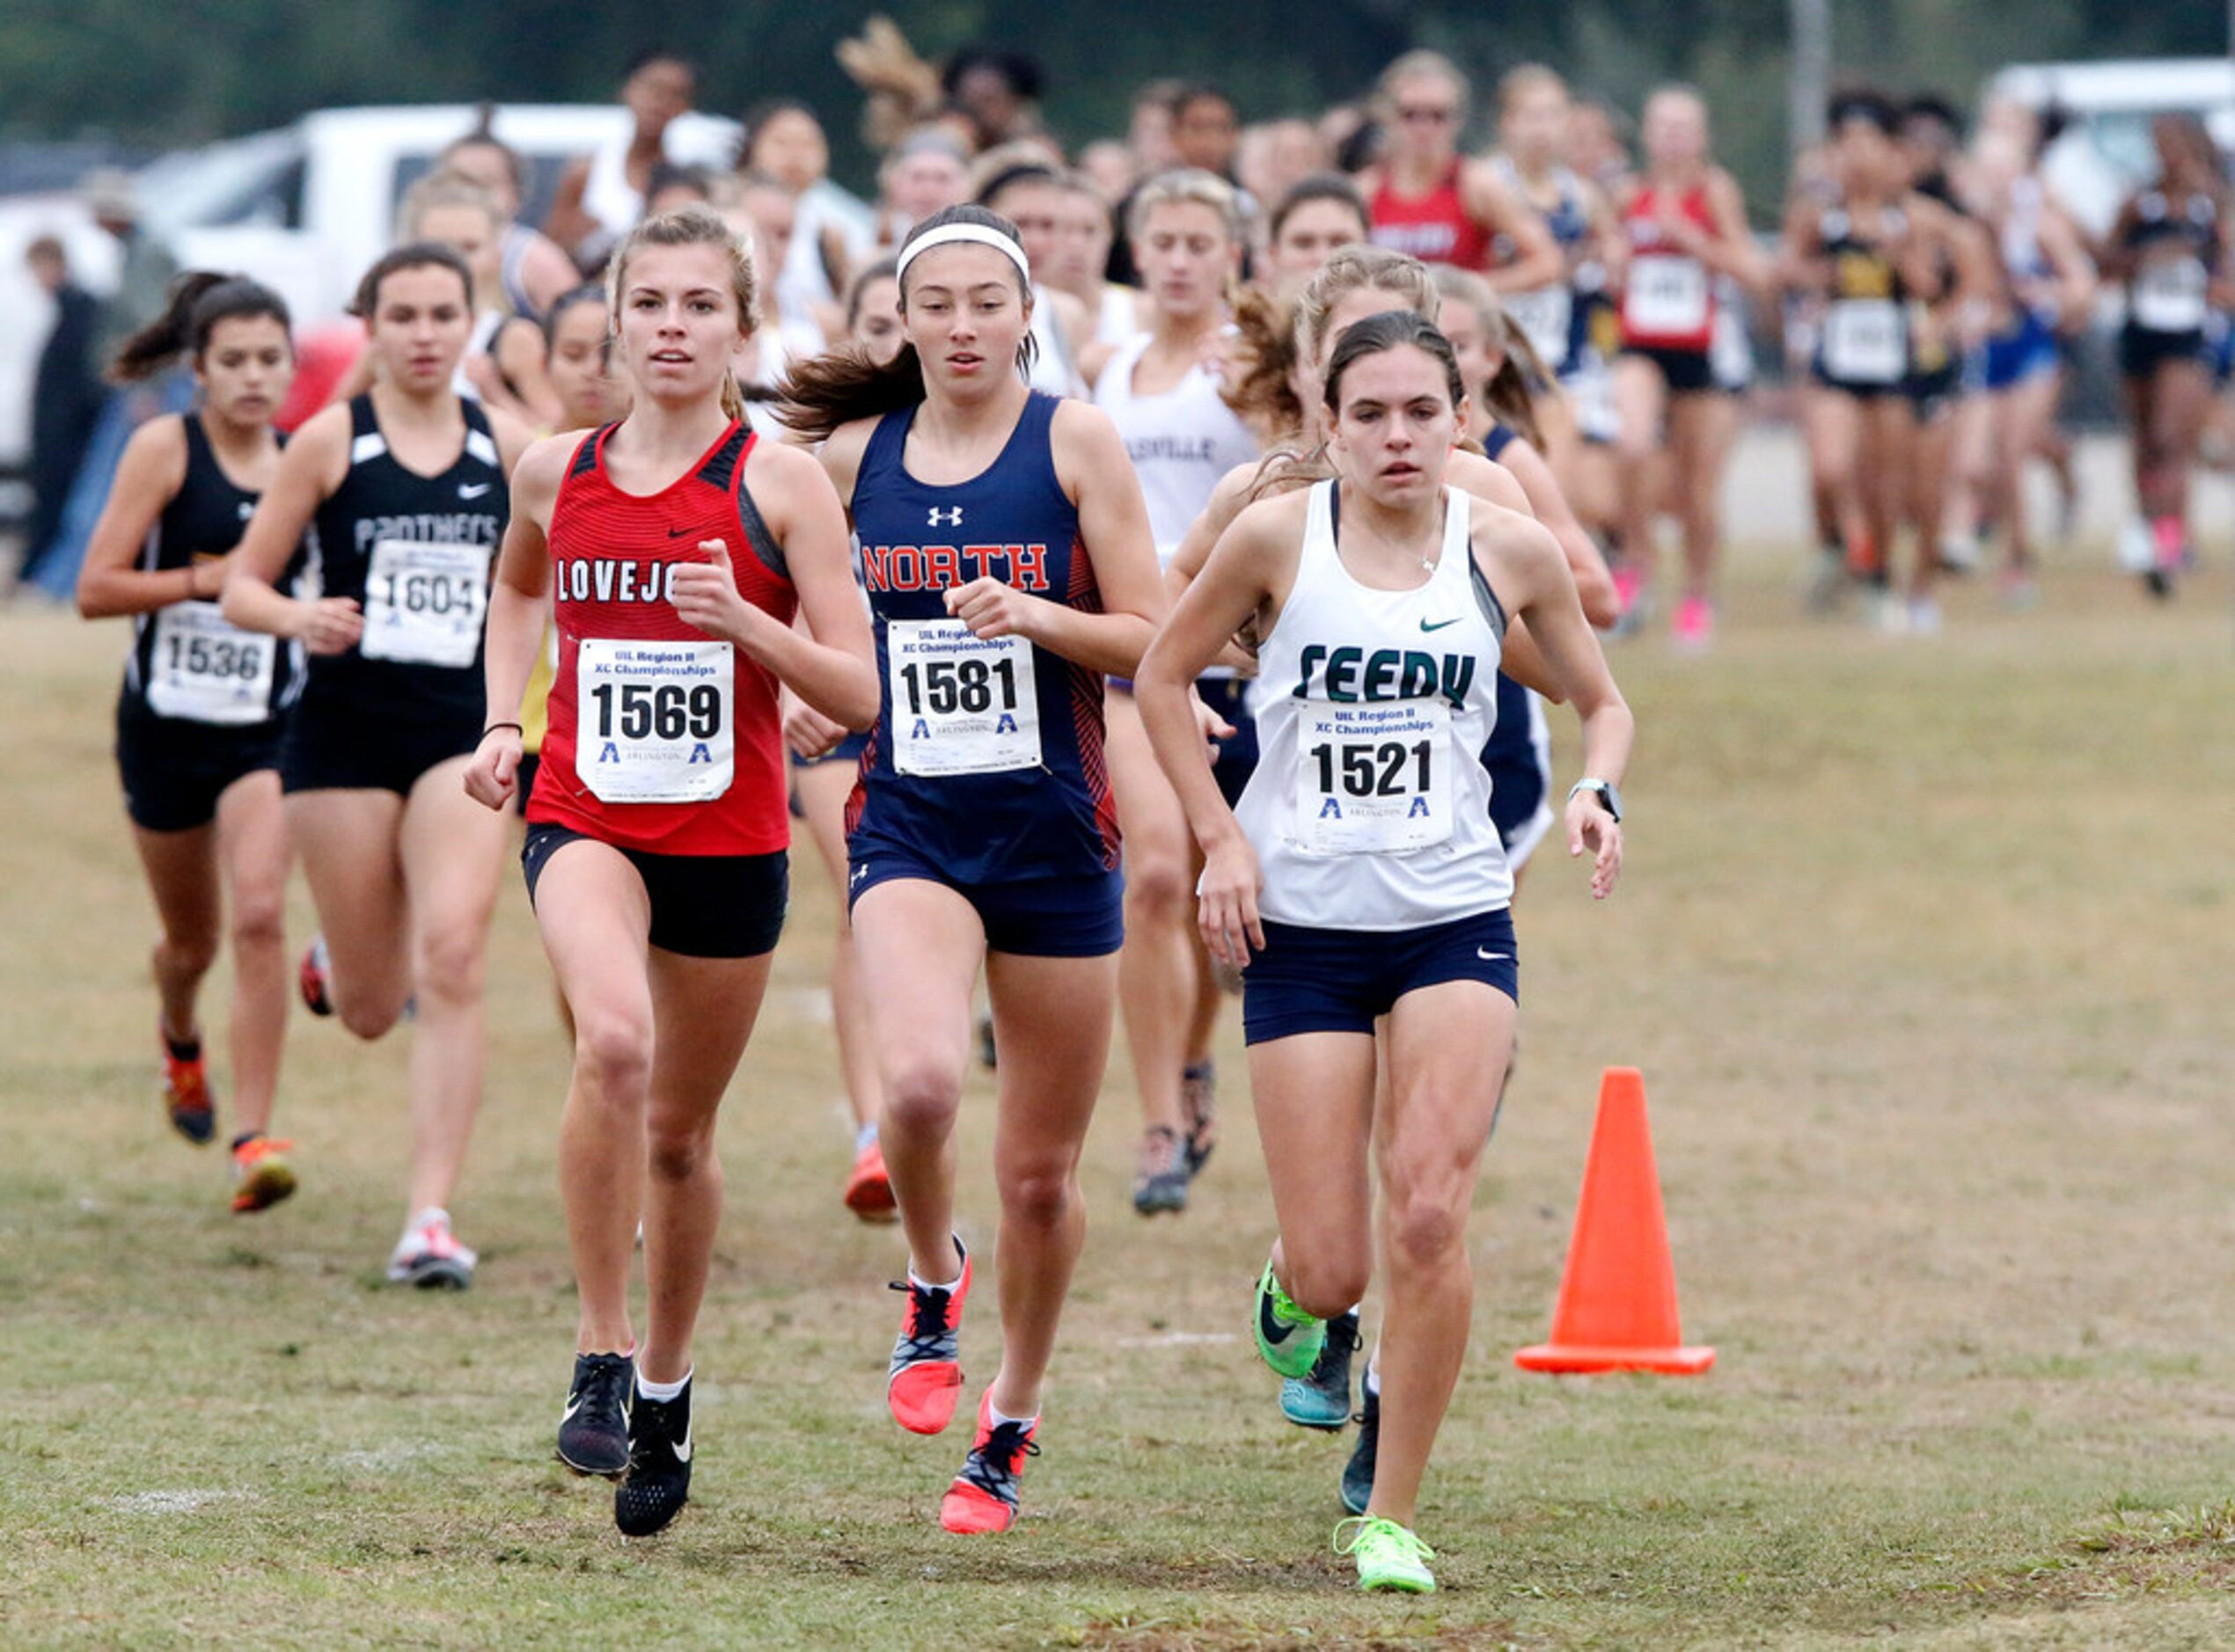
{"x": 1429, "y": 201}
{"x": 656, "y": 853}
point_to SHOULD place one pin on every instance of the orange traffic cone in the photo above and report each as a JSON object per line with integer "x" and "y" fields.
{"x": 1617, "y": 1309}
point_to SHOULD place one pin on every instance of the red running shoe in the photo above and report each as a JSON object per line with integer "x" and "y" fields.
{"x": 868, "y": 1190}
{"x": 185, "y": 1095}
{"x": 925, "y": 1377}
{"x": 983, "y": 1497}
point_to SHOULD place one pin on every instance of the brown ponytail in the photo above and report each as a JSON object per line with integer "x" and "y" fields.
{"x": 1262, "y": 394}
{"x": 198, "y": 301}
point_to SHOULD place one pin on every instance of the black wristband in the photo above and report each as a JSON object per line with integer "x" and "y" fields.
{"x": 492, "y": 728}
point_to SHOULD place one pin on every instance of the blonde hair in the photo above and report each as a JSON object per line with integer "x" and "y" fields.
{"x": 1186, "y": 186}
{"x": 1360, "y": 267}
{"x": 1518, "y": 81}
{"x": 444, "y": 188}
{"x": 1418, "y": 65}
{"x": 1511, "y": 392}
{"x": 693, "y": 225}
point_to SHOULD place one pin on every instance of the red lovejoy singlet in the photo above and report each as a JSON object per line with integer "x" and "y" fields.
{"x": 662, "y": 739}
{"x": 1668, "y": 300}
{"x": 1433, "y": 228}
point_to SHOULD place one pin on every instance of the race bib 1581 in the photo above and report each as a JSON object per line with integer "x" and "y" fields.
{"x": 961, "y": 704}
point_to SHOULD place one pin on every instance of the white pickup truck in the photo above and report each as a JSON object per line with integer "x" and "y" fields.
{"x": 304, "y": 208}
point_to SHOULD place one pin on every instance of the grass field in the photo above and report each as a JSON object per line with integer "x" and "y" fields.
{"x": 1924, "y": 950}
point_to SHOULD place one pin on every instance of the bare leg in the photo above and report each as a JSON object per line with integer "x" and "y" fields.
{"x": 706, "y": 1010}
{"x": 595, "y": 918}
{"x": 824, "y": 788}
{"x": 920, "y": 944}
{"x": 452, "y": 851}
{"x": 251, "y": 839}
{"x": 346, "y": 840}
{"x": 1700, "y": 431}
{"x": 1052, "y": 1016}
{"x": 1157, "y": 970}
{"x": 1640, "y": 397}
{"x": 1448, "y": 1050}
{"x": 182, "y": 875}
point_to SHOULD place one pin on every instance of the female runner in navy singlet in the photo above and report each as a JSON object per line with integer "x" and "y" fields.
{"x": 655, "y": 856}
{"x": 402, "y": 492}
{"x": 1010, "y": 568}
{"x": 1362, "y": 876}
{"x": 198, "y": 721}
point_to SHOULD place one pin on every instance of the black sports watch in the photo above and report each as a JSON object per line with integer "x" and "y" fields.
{"x": 1608, "y": 797}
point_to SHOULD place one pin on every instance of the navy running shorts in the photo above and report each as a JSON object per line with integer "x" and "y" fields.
{"x": 703, "y": 906}
{"x": 1687, "y": 372}
{"x": 1081, "y": 917}
{"x": 1237, "y": 759}
{"x": 1345, "y": 980}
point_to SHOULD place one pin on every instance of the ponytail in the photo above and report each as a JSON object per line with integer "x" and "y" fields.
{"x": 1262, "y": 392}
{"x": 733, "y": 397}
{"x": 1521, "y": 378}
{"x": 198, "y": 301}
{"x": 844, "y": 384}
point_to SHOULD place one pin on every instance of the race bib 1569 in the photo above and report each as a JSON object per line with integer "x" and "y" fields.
{"x": 653, "y": 720}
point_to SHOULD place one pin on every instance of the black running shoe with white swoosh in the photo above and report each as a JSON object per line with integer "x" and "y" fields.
{"x": 593, "y": 1429}
{"x": 659, "y": 1464}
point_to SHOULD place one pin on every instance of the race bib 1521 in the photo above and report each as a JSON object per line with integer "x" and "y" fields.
{"x": 1374, "y": 778}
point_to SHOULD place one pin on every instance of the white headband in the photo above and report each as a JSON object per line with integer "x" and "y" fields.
{"x": 963, "y": 234}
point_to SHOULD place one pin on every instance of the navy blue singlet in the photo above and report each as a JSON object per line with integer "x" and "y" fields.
{"x": 987, "y": 760}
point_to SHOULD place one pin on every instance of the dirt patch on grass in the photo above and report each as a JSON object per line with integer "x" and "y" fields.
{"x": 2132, "y": 1552}
{"x": 1230, "y": 1635}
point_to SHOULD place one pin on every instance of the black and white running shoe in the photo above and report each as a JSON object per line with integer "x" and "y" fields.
{"x": 1357, "y": 1474}
{"x": 593, "y": 1429}
{"x": 659, "y": 1464}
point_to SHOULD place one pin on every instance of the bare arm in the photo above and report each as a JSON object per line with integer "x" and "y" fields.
{"x": 1474, "y": 474}
{"x": 1731, "y": 249}
{"x": 519, "y": 356}
{"x": 148, "y": 478}
{"x": 1537, "y": 255}
{"x": 1246, "y": 577}
{"x": 518, "y": 604}
{"x": 2075, "y": 271}
{"x": 1090, "y": 462}
{"x": 1593, "y": 584}
{"x": 832, "y": 666}
{"x": 310, "y": 470}
{"x": 568, "y": 223}
{"x": 547, "y": 273}
{"x": 1520, "y": 559}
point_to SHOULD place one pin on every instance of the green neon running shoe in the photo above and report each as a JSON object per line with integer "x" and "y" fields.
{"x": 1287, "y": 1337}
{"x": 1389, "y": 1556}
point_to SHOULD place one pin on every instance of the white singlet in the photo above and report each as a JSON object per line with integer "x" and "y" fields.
{"x": 1181, "y": 441}
{"x": 1053, "y": 369}
{"x": 1370, "y": 808}
{"x": 1118, "y": 317}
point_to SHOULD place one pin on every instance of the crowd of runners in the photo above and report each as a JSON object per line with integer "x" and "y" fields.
{"x": 1144, "y": 570}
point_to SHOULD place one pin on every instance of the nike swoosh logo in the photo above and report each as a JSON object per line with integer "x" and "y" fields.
{"x": 472, "y": 490}
{"x": 573, "y": 1406}
{"x": 1438, "y": 626}
{"x": 683, "y": 1452}
{"x": 1274, "y": 1329}
{"x": 676, "y": 533}
{"x": 1491, "y": 957}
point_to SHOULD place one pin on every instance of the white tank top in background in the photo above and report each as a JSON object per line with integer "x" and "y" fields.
{"x": 1181, "y": 442}
{"x": 1119, "y": 317}
{"x": 1053, "y": 369}
{"x": 486, "y": 326}
{"x": 1370, "y": 806}
{"x": 606, "y": 193}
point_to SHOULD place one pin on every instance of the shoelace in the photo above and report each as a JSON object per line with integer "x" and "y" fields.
{"x": 651, "y": 1429}
{"x": 1378, "y": 1528}
{"x": 928, "y": 1329}
{"x": 991, "y": 1468}
{"x": 604, "y": 1389}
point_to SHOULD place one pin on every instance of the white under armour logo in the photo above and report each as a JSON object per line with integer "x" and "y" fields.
{"x": 951, "y": 517}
